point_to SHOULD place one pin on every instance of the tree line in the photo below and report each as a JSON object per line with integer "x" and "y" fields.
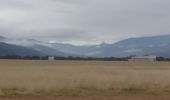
{"x": 75, "y": 58}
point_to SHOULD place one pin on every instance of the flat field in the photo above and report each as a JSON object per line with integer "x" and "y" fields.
{"x": 84, "y": 79}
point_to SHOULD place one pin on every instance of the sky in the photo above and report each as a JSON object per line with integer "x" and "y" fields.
{"x": 83, "y": 22}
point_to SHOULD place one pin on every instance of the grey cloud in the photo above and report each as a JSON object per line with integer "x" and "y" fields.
{"x": 84, "y": 20}
{"x": 15, "y": 4}
{"x": 64, "y": 34}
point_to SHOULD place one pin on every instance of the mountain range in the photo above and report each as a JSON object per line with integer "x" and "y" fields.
{"x": 153, "y": 45}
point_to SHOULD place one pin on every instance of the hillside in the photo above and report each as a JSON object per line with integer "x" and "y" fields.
{"x": 155, "y": 45}
{"x": 8, "y": 49}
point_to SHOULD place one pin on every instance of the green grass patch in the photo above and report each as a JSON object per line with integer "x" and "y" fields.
{"x": 132, "y": 91}
{"x": 13, "y": 92}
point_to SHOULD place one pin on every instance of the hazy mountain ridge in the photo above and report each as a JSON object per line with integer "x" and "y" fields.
{"x": 39, "y": 46}
{"x": 8, "y": 49}
{"x": 155, "y": 45}
{"x": 138, "y": 46}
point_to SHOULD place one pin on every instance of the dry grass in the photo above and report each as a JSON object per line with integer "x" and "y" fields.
{"x": 19, "y": 77}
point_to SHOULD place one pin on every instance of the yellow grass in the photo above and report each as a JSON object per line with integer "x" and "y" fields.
{"x": 26, "y": 77}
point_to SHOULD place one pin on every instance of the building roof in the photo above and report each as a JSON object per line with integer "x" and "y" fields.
{"x": 147, "y": 57}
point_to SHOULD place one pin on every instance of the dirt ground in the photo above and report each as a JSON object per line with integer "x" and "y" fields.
{"x": 90, "y": 98}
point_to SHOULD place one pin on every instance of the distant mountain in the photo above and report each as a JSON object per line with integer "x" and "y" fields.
{"x": 38, "y": 46}
{"x": 8, "y": 49}
{"x": 2, "y": 38}
{"x": 155, "y": 45}
{"x": 76, "y": 50}
{"x": 49, "y": 50}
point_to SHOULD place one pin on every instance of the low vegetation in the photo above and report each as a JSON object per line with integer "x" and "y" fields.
{"x": 83, "y": 78}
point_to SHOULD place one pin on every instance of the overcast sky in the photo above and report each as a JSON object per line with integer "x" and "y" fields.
{"x": 83, "y": 21}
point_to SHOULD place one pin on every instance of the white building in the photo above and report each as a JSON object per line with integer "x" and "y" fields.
{"x": 143, "y": 58}
{"x": 51, "y": 58}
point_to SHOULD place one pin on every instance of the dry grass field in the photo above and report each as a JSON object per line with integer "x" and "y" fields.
{"x": 83, "y": 78}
